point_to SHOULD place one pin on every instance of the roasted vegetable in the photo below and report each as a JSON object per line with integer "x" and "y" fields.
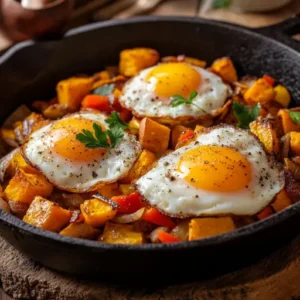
{"x": 121, "y": 234}
{"x": 167, "y": 238}
{"x": 9, "y": 137}
{"x": 80, "y": 230}
{"x": 282, "y": 201}
{"x": 224, "y": 68}
{"x": 98, "y": 102}
{"x": 97, "y": 212}
{"x": 293, "y": 167}
{"x": 186, "y": 59}
{"x": 177, "y": 130}
{"x": 127, "y": 189}
{"x": 200, "y": 228}
{"x": 292, "y": 186}
{"x": 154, "y": 136}
{"x": 4, "y": 205}
{"x": 282, "y": 95}
{"x": 265, "y": 131}
{"x": 129, "y": 203}
{"x": 295, "y": 142}
{"x": 109, "y": 190}
{"x": 152, "y": 215}
{"x": 24, "y": 187}
{"x": 55, "y": 111}
{"x": 134, "y": 60}
{"x": 18, "y": 208}
{"x": 134, "y": 125}
{"x": 265, "y": 213}
{"x": 71, "y": 91}
{"x": 141, "y": 167}
{"x": 47, "y": 215}
{"x": 260, "y": 92}
{"x": 288, "y": 124}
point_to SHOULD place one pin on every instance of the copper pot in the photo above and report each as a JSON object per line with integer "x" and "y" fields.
{"x": 24, "y": 21}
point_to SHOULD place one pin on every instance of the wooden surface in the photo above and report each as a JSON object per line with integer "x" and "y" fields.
{"x": 21, "y": 277}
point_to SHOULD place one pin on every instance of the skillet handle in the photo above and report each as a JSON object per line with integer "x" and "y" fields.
{"x": 284, "y": 31}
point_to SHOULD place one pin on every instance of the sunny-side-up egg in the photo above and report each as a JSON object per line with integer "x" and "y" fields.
{"x": 223, "y": 170}
{"x": 68, "y": 164}
{"x": 149, "y": 94}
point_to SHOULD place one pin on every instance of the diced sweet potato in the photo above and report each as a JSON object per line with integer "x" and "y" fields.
{"x": 40, "y": 125}
{"x": 288, "y": 124}
{"x": 200, "y": 228}
{"x": 134, "y": 125}
{"x": 282, "y": 201}
{"x": 154, "y": 136}
{"x": 71, "y": 91}
{"x": 282, "y": 95}
{"x": 109, "y": 190}
{"x": 102, "y": 75}
{"x": 265, "y": 131}
{"x": 18, "y": 162}
{"x": 260, "y": 92}
{"x": 96, "y": 212}
{"x": 293, "y": 168}
{"x": 134, "y": 60}
{"x": 141, "y": 167}
{"x": 121, "y": 234}
{"x": 81, "y": 230}
{"x": 177, "y": 130}
{"x": 295, "y": 142}
{"x": 265, "y": 213}
{"x": 24, "y": 187}
{"x": 55, "y": 111}
{"x": 225, "y": 69}
{"x": 9, "y": 137}
{"x": 127, "y": 189}
{"x": 47, "y": 215}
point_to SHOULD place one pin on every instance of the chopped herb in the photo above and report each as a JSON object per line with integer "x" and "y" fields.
{"x": 179, "y": 100}
{"x": 104, "y": 90}
{"x": 244, "y": 114}
{"x": 115, "y": 121}
{"x": 221, "y": 4}
{"x": 295, "y": 116}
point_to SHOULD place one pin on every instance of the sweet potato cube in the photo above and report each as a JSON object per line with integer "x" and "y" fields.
{"x": 127, "y": 189}
{"x": 225, "y": 69}
{"x": 109, "y": 190}
{"x": 81, "y": 230}
{"x": 177, "y": 130}
{"x": 18, "y": 162}
{"x": 154, "y": 136}
{"x": 141, "y": 166}
{"x": 71, "y": 91}
{"x": 282, "y": 201}
{"x": 200, "y": 228}
{"x": 260, "y": 92}
{"x": 282, "y": 95}
{"x": 96, "y": 212}
{"x": 267, "y": 134}
{"x": 121, "y": 234}
{"x": 265, "y": 213}
{"x": 47, "y": 215}
{"x": 7, "y": 134}
{"x": 132, "y": 61}
{"x": 24, "y": 187}
{"x": 288, "y": 124}
{"x": 295, "y": 142}
{"x": 134, "y": 125}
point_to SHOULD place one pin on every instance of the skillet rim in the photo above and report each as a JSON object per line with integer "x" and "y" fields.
{"x": 248, "y": 230}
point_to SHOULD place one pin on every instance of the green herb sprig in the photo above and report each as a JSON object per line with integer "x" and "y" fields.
{"x": 178, "y": 100}
{"x": 108, "y": 139}
{"x": 245, "y": 114}
{"x": 295, "y": 116}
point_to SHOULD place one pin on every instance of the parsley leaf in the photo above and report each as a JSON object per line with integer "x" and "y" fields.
{"x": 295, "y": 116}
{"x": 104, "y": 90}
{"x": 115, "y": 121}
{"x": 221, "y": 4}
{"x": 179, "y": 100}
{"x": 244, "y": 114}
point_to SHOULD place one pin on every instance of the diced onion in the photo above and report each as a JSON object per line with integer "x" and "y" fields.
{"x": 181, "y": 230}
{"x": 4, "y": 163}
{"x": 153, "y": 235}
{"x": 123, "y": 219}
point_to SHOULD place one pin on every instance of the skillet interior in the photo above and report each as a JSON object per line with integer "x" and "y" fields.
{"x": 30, "y": 71}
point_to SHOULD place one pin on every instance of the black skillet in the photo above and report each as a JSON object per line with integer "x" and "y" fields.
{"x": 30, "y": 70}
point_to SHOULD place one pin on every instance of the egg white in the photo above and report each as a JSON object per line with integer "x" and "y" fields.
{"x": 165, "y": 188}
{"x": 139, "y": 97}
{"x": 75, "y": 176}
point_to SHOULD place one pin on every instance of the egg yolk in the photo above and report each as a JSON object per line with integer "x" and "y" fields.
{"x": 68, "y": 146}
{"x": 175, "y": 79}
{"x": 215, "y": 168}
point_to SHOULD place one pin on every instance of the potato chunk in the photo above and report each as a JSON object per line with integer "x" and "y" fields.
{"x": 109, "y": 190}
{"x": 96, "y": 212}
{"x": 46, "y": 214}
{"x": 225, "y": 69}
{"x": 134, "y": 60}
{"x": 141, "y": 166}
{"x": 282, "y": 95}
{"x": 282, "y": 201}
{"x": 24, "y": 187}
{"x": 121, "y": 234}
{"x": 260, "y": 92}
{"x": 154, "y": 136}
{"x": 200, "y": 228}
{"x": 18, "y": 162}
{"x": 295, "y": 142}
{"x": 81, "y": 230}
{"x": 288, "y": 124}
{"x": 71, "y": 91}
{"x": 267, "y": 134}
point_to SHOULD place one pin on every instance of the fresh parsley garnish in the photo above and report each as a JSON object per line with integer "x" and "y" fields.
{"x": 221, "y": 4}
{"x": 295, "y": 116}
{"x": 179, "y": 100}
{"x": 108, "y": 139}
{"x": 104, "y": 90}
{"x": 245, "y": 114}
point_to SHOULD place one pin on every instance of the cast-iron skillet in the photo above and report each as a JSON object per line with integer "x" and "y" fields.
{"x": 30, "y": 70}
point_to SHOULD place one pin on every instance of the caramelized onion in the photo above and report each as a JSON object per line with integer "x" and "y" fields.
{"x": 4, "y": 163}
{"x": 130, "y": 218}
{"x": 153, "y": 235}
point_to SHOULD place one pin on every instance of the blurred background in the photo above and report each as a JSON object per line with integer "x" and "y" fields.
{"x": 24, "y": 19}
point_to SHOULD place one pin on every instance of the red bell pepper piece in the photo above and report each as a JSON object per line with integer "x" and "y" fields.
{"x": 269, "y": 79}
{"x": 152, "y": 215}
{"x": 266, "y": 212}
{"x": 165, "y": 237}
{"x": 186, "y": 135}
{"x": 129, "y": 203}
{"x": 97, "y": 102}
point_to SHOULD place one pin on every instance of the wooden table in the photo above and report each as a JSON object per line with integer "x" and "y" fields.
{"x": 193, "y": 8}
